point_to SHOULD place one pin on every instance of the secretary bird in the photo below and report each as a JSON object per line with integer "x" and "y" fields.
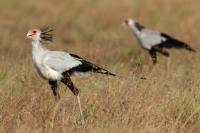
{"x": 58, "y": 65}
{"x": 155, "y": 41}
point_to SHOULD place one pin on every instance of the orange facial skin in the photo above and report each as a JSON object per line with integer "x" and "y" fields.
{"x": 34, "y": 32}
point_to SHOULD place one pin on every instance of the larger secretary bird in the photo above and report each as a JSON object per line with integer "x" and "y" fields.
{"x": 155, "y": 41}
{"x": 58, "y": 65}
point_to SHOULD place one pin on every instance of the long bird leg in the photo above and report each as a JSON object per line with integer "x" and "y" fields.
{"x": 79, "y": 104}
{"x": 166, "y": 54}
{"x": 67, "y": 81}
{"x": 54, "y": 87}
{"x": 168, "y": 62}
{"x": 152, "y": 52}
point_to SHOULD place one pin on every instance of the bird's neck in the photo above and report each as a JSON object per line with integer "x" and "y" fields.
{"x": 38, "y": 51}
{"x": 38, "y": 47}
{"x": 135, "y": 30}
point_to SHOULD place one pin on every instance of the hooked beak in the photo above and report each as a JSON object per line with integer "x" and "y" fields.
{"x": 29, "y": 35}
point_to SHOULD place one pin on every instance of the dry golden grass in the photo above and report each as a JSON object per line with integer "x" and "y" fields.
{"x": 92, "y": 28}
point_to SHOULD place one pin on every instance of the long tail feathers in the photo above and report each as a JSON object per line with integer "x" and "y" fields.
{"x": 104, "y": 71}
{"x": 187, "y": 47}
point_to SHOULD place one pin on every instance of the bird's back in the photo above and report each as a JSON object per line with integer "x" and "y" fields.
{"x": 60, "y": 61}
{"x": 150, "y": 38}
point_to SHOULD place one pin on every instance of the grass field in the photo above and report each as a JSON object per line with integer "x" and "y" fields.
{"x": 167, "y": 102}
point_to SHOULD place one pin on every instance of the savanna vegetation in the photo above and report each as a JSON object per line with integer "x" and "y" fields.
{"x": 166, "y": 102}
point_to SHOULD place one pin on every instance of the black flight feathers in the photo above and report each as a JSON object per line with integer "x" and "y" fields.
{"x": 174, "y": 43}
{"x": 87, "y": 66}
{"x": 46, "y": 34}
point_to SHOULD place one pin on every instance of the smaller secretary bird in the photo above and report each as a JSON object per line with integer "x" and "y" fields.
{"x": 58, "y": 65}
{"x": 155, "y": 41}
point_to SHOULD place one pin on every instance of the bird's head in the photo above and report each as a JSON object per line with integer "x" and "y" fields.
{"x": 44, "y": 35}
{"x": 129, "y": 22}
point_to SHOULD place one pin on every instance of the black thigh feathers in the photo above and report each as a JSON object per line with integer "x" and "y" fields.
{"x": 158, "y": 49}
{"x": 174, "y": 43}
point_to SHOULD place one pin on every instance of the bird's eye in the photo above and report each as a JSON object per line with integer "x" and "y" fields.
{"x": 34, "y": 32}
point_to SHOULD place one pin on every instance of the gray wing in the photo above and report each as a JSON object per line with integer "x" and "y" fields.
{"x": 60, "y": 61}
{"x": 151, "y": 38}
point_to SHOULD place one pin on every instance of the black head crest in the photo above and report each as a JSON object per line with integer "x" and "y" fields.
{"x": 139, "y": 26}
{"x": 46, "y": 34}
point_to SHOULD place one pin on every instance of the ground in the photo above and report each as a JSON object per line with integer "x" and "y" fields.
{"x": 167, "y": 101}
